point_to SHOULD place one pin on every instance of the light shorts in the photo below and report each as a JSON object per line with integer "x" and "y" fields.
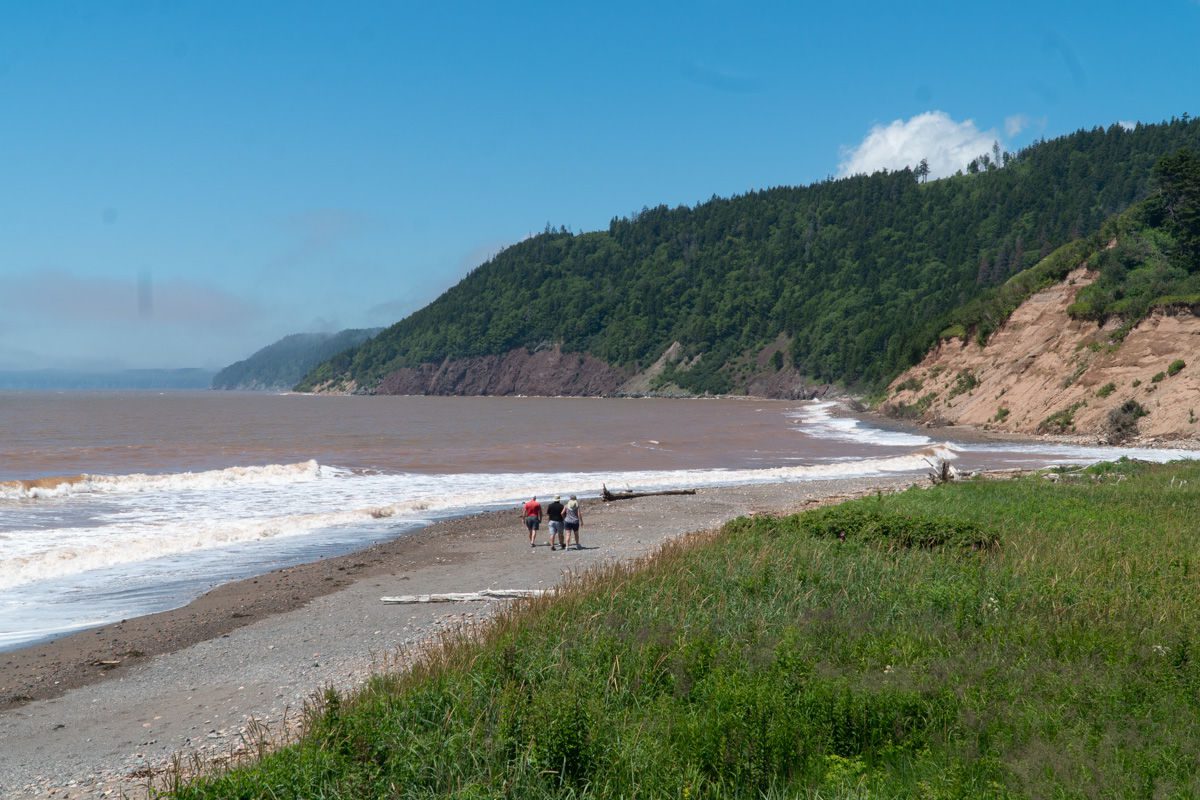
{"x": 556, "y": 528}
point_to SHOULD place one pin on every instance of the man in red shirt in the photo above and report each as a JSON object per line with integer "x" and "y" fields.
{"x": 532, "y": 514}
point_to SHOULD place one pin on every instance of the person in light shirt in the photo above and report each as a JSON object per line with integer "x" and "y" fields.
{"x": 572, "y": 519}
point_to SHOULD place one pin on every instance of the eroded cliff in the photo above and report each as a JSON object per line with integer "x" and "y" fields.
{"x": 1043, "y": 372}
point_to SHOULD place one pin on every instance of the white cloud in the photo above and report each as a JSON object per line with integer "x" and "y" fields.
{"x": 948, "y": 145}
{"x": 1131, "y": 124}
{"x": 1015, "y": 124}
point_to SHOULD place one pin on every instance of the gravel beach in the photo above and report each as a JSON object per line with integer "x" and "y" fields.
{"x": 101, "y": 713}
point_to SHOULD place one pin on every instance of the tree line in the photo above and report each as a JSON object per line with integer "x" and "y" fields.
{"x": 859, "y": 274}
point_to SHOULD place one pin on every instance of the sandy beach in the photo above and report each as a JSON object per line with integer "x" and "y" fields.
{"x": 101, "y": 712}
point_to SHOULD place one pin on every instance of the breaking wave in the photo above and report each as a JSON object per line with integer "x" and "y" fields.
{"x": 158, "y": 516}
{"x": 46, "y": 488}
{"x": 817, "y": 420}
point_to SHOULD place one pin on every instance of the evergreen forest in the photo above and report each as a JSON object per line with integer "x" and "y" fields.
{"x": 858, "y": 275}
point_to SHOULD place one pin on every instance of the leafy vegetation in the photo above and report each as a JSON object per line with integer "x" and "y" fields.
{"x": 1123, "y": 421}
{"x": 1156, "y": 260}
{"x": 1061, "y": 421}
{"x": 860, "y": 274}
{"x": 914, "y": 410}
{"x": 1106, "y": 390}
{"x": 985, "y": 639}
{"x": 965, "y": 381}
{"x": 1175, "y": 367}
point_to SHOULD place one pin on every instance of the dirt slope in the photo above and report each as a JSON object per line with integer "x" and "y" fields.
{"x": 1043, "y": 372}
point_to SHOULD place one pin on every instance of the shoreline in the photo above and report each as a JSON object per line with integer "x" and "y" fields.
{"x": 248, "y": 655}
{"x": 47, "y": 669}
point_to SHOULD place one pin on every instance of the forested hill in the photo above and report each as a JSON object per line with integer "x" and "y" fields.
{"x": 282, "y": 364}
{"x": 852, "y": 279}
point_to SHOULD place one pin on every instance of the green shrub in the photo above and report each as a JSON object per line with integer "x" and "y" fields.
{"x": 1158, "y": 377}
{"x": 964, "y": 382}
{"x": 1001, "y": 414}
{"x": 1061, "y": 421}
{"x": 1106, "y": 390}
{"x": 914, "y": 410}
{"x": 1175, "y": 367}
{"x": 894, "y": 529}
{"x": 1123, "y": 421}
{"x": 953, "y": 332}
{"x": 912, "y": 384}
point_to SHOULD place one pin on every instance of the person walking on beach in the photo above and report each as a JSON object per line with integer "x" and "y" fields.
{"x": 554, "y": 513}
{"x": 572, "y": 519}
{"x": 532, "y": 514}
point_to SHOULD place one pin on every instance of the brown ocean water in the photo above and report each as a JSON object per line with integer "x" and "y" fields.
{"x": 61, "y": 434}
{"x": 121, "y": 503}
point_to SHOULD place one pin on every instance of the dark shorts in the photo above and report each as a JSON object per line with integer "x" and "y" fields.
{"x": 571, "y": 526}
{"x": 532, "y": 523}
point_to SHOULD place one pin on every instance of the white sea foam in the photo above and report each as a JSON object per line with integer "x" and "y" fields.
{"x": 818, "y": 420}
{"x": 171, "y": 515}
{"x": 42, "y": 489}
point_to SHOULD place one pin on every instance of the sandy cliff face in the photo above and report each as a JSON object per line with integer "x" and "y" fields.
{"x": 1043, "y": 372}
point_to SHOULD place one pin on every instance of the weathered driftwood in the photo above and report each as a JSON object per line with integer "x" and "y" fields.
{"x": 608, "y": 496}
{"x": 464, "y": 597}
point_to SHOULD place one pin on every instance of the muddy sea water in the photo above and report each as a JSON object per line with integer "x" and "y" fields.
{"x": 116, "y": 504}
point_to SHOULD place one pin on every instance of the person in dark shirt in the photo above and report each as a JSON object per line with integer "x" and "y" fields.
{"x": 554, "y": 513}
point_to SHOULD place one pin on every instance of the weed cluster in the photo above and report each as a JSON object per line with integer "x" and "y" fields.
{"x": 965, "y": 381}
{"x": 1123, "y": 421}
{"x": 1061, "y": 421}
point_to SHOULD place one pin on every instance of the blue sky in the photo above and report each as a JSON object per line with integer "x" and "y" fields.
{"x": 183, "y": 183}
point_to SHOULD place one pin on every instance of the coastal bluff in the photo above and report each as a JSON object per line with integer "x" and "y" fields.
{"x": 1042, "y": 372}
{"x": 553, "y": 372}
{"x": 545, "y": 372}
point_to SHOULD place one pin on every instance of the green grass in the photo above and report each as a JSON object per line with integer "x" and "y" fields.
{"x": 994, "y": 639}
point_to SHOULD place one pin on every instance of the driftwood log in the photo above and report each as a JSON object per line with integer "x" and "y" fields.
{"x": 464, "y": 597}
{"x": 608, "y": 496}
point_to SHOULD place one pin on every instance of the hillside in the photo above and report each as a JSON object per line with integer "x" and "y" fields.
{"x": 280, "y": 365}
{"x": 846, "y": 281}
{"x": 1112, "y": 350}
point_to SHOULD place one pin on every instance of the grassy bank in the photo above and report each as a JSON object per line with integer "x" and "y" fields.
{"x": 1017, "y": 638}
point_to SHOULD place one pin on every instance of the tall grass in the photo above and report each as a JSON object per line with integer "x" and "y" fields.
{"x": 985, "y": 639}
